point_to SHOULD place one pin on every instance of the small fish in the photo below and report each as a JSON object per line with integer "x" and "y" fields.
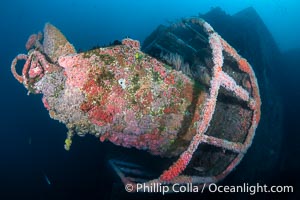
{"x": 47, "y": 179}
{"x": 200, "y": 169}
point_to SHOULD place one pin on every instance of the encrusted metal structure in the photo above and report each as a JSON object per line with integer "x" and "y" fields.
{"x": 194, "y": 100}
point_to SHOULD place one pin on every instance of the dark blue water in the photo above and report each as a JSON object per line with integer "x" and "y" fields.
{"x": 33, "y": 162}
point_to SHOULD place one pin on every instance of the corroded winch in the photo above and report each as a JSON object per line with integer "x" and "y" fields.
{"x": 197, "y": 102}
